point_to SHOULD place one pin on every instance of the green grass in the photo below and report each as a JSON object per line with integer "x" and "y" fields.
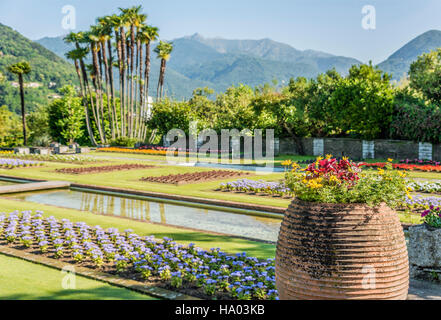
{"x": 131, "y": 180}
{"x": 22, "y": 280}
{"x": 203, "y": 240}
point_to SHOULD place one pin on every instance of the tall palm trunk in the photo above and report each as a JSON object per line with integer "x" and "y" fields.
{"x": 23, "y": 111}
{"x": 132, "y": 83}
{"x": 109, "y": 94}
{"x": 101, "y": 86}
{"x": 146, "y": 86}
{"x": 112, "y": 87}
{"x": 85, "y": 103}
{"x": 97, "y": 86}
{"x": 123, "y": 81}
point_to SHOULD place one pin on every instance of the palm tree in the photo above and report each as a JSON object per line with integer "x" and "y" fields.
{"x": 148, "y": 35}
{"x": 163, "y": 50}
{"x": 78, "y": 55}
{"x": 130, "y": 36}
{"x": 104, "y": 32}
{"x": 21, "y": 69}
{"x": 92, "y": 38}
{"x": 134, "y": 20}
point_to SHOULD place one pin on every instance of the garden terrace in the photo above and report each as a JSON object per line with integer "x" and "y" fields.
{"x": 188, "y": 178}
{"x": 86, "y": 170}
{"x": 163, "y": 263}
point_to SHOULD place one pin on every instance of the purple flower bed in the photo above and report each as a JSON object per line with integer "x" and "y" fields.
{"x": 418, "y": 202}
{"x": 16, "y": 163}
{"x": 270, "y": 188}
{"x": 188, "y": 269}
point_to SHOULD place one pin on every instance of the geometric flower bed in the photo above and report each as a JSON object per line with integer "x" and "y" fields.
{"x": 103, "y": 169}
{"x": 161, "y": 263}
{"x": 133, "y": 151}
{"x": 14, "y": 163}
{"x": 258, "y": 187}
{"x": 412, "y": 167}
{"x": 51, "y": 158}
{"x": 195, "y": 177}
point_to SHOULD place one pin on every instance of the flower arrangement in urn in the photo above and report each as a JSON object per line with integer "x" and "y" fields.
{"x": 339, "y": 226}
{"x": 343, "y": 181}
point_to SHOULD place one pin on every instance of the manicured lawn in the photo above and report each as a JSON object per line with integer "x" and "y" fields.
{"x": 22, "y": 280}
{"x": 203, "y": 240}
{"x": 131, "y": 180}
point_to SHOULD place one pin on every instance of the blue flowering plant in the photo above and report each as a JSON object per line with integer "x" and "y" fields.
{"x": 209, "y": 274}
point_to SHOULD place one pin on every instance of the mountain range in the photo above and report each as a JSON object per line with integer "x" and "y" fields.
{"x": 217, "y": 63}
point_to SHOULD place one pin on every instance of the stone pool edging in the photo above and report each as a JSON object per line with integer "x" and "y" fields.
{"x": 222, "y": 203}
{"x": 97, "y": 275}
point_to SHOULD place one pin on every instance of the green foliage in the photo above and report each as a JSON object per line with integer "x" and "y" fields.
{"x": 66, "y": 116}
{"x": 425, "y": 76}
{"x": 414, "y": 119}
{"x": 168, "y": 114}
{"x": 10, "y": 128}
{"x": 124, "y": 142}
{"x": 47, "y": 68}
{"x": 362, "y": 103}
{"x": 38, "y": 124}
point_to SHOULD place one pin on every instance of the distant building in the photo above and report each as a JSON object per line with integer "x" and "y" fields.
{"x": 32, "y": 85}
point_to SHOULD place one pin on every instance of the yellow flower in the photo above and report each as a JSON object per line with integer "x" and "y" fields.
{"x": 328, "y": 156}
{"x": 402, "y": 174}
{"x": 380, "y": 171}
{"x": 286, "y": 163}
{"x": 390, "y": 160}
{"x": 333, "y": 179}
{"x": 345, "y": 158}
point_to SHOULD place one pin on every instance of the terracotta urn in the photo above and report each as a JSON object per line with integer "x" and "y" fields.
{"x": 340, "y": 252}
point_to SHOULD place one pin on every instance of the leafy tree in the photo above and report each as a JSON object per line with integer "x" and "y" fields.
{"x": 66, "y": 116}
{"x": 234, "y": 109}
{"x": 10, "y": 133}
{"x": 414, "y": 119}
{"x": 20, "y": 69}
{"x": 362, "y": 103}
{"x": 168, "y": 114}
{"x": 38, "y": 124}
{"x": 425, "y": 75}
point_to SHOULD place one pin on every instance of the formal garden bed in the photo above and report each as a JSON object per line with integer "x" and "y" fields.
{"x": 426, "y": 187}
{"x": 196, "y": 177}
{"x": 49, "y": 157}
{"x": 17, "y": 163}
{"x": 163, "y": 263}
{"x": 259, "y": 188}
{"x": 103, "y": 169}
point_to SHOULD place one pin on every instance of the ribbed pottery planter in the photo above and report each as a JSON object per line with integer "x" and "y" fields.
{"x": 341, "y": 251}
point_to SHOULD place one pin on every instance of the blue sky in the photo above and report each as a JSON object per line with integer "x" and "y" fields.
{"x": 333, "y": 26}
